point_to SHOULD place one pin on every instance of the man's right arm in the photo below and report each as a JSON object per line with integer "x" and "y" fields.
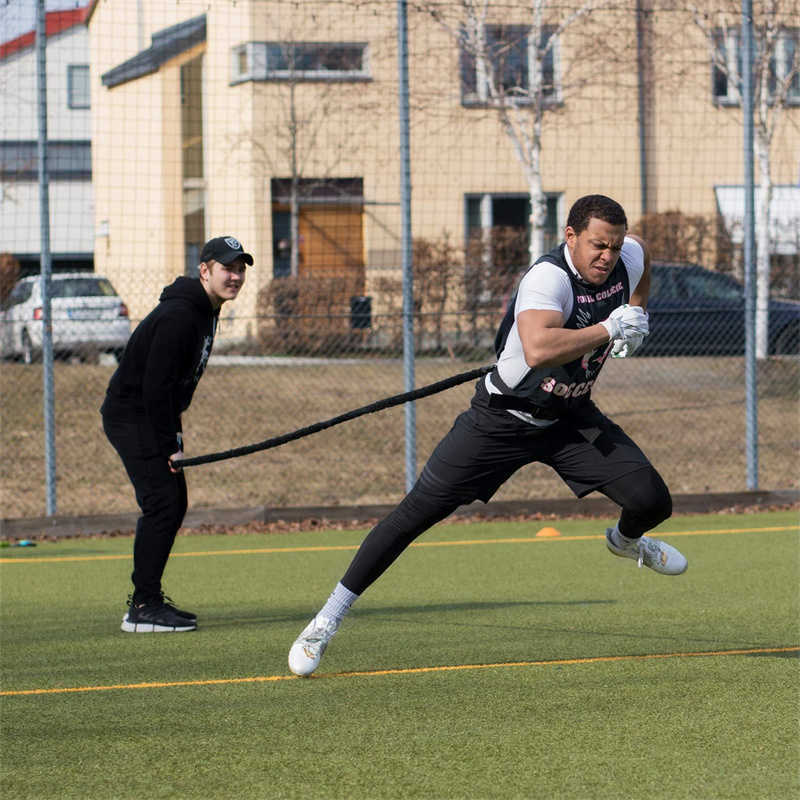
{"x": 547, "y": 343}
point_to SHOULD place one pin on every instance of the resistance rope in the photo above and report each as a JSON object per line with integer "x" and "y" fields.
{"x": 379, "y": 405}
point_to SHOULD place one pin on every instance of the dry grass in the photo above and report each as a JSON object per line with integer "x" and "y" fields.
{"x": 687, "y": 414}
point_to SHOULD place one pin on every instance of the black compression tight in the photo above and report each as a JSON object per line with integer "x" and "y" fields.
{"x": 644, "y": 499}
{"x": 417, "y": 512}
{"x": 642, "y": 495}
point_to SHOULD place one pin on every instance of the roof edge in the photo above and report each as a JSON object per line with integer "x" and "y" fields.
{"x": 164, "y": 46}
{"x": 55, "y": 22}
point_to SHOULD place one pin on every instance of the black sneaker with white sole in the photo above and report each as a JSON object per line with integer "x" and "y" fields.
{"x": 157, "y": 617}
{"x": 169, "y": 603}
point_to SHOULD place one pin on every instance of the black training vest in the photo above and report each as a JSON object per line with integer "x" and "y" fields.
{"x": 563, "y": 387}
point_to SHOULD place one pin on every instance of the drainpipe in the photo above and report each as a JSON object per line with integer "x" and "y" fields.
{"x": 644, "y": 75}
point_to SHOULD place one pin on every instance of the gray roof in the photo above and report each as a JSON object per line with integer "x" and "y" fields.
{"x": 164, "y": 45}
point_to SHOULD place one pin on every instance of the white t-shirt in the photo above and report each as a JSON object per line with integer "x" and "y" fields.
{"x": 548, "y": 288}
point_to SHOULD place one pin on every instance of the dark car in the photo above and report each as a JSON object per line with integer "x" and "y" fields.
{"x": 696, "y": 312}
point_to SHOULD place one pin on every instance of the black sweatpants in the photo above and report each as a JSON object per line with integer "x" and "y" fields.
{"x": 161, "y": 496}
{"x": 485, "y": 447}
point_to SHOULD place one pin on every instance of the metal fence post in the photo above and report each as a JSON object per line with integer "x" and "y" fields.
{"x": 750, "y": 374}
{"x": 408, "y": 284}
{"x": 45, "y": 267}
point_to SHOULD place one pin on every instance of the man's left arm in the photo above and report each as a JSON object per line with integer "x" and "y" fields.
{"x": 641, "y": 293}
{"x": 639, "y": 297}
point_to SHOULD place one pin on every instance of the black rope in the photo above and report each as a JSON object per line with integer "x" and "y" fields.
{"x": 379, "y": 405}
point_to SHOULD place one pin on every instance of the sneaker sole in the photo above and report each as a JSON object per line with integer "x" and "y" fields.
{"x": 149, "y": 627}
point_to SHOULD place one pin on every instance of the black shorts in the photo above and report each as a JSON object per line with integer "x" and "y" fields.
{"x": 486, "y": 446}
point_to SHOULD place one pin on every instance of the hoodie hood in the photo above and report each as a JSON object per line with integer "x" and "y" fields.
{"x": 188, "y": 289}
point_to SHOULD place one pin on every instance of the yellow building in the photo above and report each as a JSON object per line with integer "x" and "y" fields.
{"x": 207, "y": 113}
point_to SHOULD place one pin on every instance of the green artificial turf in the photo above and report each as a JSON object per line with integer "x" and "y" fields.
{"x": 571, "y": 674}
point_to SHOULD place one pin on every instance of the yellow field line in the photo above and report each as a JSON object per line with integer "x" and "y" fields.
{"x": 330, "y": 548}
{"x": 406, "y": 671}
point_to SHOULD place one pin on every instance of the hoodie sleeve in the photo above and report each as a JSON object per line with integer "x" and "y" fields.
{"x": 168, "y": 363}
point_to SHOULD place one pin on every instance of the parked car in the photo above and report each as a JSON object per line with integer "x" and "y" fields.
{"x": 88, "y": 317}
{"x": 695, "y": 312}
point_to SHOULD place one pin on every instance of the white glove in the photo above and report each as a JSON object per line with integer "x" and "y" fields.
{"x": 624, "y": 348}
{"x": 626, "y": 321}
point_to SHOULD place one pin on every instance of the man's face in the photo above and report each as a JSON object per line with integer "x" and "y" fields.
{"x": 222, "y": 281}
{"x": 595, "y": 249}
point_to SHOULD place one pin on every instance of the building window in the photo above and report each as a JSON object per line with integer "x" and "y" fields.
{"x": 319, "y": 190}
{"x": 19, "y": 161}
{"x": 727, "y": 67}
{"x": 504, "y": 73}
{"x": 78, "y": 95}
{"x": 510, "y": 212}
{"x": 784, "y": 65}
{"x": 300, "y": 61}
{"x": 242, "y": 62}
{"x": 192, "y": 118}
{"x": 498, "y": 245}
{"x": 249, "y": 62}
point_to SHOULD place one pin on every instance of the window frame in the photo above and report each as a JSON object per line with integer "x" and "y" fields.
{"x": 478, "y": 97}
{"x": 250, "y": 61}
{"x": 554, "y": 201}
{"x": 786, "y": 35}
{"x": 727, "y": 40}
{"x": 21, "y": 163}
{"x": 83, "y": 69}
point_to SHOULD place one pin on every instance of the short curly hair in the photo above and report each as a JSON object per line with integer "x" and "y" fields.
{"x": 598, "y": 206}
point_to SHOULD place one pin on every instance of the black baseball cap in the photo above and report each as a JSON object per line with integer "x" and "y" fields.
{"x": 225, "y": 249}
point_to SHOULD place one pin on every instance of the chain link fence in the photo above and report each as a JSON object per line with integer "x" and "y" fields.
{"x": 277, "y": 122}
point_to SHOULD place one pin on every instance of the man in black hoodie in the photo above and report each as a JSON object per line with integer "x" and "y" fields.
{"x": 152, "y": 386}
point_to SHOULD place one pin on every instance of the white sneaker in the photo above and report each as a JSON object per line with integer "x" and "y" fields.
{"x": 309, "y": 646}
{"x": 653, "y": 553}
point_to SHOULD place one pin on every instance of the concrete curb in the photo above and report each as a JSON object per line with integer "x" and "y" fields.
{"x": 65, "y": 526}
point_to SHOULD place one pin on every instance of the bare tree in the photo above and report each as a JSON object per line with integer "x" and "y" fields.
{"x": 519, "y": 98}
{"x": 303, "y": 93}
{"x": 292, "y": 139}
{"x": 776, "y": 74}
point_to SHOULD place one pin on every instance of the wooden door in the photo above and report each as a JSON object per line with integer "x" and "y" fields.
{"x": 332, "y": 244}
{"x": 330, "y": 266}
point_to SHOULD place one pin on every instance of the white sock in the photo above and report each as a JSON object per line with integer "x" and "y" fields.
{"x": 618, "y": 538}
{"x": 338, "y": 604}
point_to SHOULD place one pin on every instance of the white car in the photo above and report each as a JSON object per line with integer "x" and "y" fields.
{"x": 88, "y": 317}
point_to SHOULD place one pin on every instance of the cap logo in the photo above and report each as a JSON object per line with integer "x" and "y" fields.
{"x": 232, "y": 243}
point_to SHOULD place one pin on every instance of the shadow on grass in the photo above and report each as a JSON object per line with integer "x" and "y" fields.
{"x": 259, "y": 618}
{"x": 684, "y": 642}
